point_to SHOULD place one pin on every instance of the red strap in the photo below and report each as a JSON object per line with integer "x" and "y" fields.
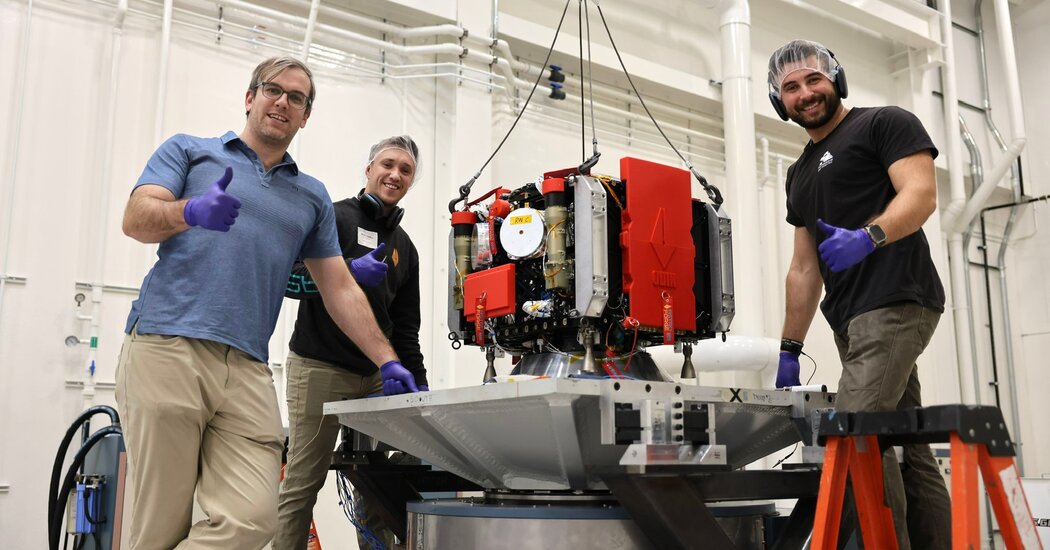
{"x": 668, "y": 314}
{"x": 492, "y": 238}
{"x": 479, "y": 322}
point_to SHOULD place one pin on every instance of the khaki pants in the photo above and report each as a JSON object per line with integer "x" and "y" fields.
{"x": 198, "y": 416}
{"x": 311, "y": 439}
{"x": 878, "y": 352}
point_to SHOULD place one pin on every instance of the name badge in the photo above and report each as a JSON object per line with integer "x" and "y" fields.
{"x": 367, "y": 238}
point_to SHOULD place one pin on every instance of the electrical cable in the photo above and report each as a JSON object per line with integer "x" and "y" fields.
{"x": 712, "y": 192}
{"x": 483, "y": 197}
{"x": 87, "y": 512}
{"x": 320, "y": 423}
{"x": 583, "y": 105}
{"x": 464, "y": 190}
{"x": 781, "y": 461}
{"x": 53, "y": 489}
{"x": 814, "y": 366}
{"x": 56, "y": 519}
{"x": 588, "y": 164}
{"x": 608, "y": 187}
{"x": 346, "y": 502}
{"x": 63, "y": 448}
{"x": 634, "y": 346}
{"x": 590, "y": 80}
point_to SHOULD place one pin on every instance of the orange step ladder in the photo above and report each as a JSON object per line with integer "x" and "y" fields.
{"x": 979, "y": 441}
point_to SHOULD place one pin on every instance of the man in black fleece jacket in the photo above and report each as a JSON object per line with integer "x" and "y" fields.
{"x": 323, "y": 364}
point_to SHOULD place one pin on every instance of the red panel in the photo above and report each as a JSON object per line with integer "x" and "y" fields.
{"x": 497, "y": 284}
{"x": 657, "y": 244}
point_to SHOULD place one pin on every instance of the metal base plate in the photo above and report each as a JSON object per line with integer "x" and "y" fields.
{"x": 546, "y": 434}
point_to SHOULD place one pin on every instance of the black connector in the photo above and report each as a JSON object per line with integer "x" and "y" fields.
{"x": 628, "y": 424}
{"x": 556, "y": 74}
{"x": 556, "y": 91}
{"x": 695, "y": 421}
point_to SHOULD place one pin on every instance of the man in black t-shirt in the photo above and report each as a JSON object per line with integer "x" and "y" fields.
{"x": 323, "y": 365}
{"x": 858, "y": 196}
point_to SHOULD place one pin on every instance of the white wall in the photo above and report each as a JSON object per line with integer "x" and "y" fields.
{"x": 63, "y": 214}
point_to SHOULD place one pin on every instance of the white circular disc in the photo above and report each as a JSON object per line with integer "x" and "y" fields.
{"x": 522, "y": 233}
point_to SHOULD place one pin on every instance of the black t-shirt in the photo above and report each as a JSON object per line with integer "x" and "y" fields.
{"x": 394, "y": 301}
{"x": 844, "y": 180}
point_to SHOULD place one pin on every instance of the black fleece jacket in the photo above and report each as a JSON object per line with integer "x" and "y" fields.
{"x": 395, "y": 300}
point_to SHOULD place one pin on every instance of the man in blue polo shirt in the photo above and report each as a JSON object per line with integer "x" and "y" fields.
{"x": 196, "y": 397}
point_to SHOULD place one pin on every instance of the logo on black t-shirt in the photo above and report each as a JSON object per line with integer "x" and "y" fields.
{"x": 825, "y": 160}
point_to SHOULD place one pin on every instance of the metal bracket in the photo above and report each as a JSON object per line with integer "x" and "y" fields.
{"x": 642, "y": 454}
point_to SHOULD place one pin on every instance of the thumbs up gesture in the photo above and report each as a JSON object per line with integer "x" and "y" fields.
{"x": 215, "y": 209}
{"x": 369, "y": 270}
{"x": 844, "y": 248}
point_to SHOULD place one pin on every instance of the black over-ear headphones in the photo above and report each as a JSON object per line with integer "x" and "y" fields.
{"x": 374, "y": 206}
{"x": 840, "y": 88}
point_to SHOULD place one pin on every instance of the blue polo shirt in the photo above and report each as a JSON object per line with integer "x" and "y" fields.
{"x": 228, "y": 287}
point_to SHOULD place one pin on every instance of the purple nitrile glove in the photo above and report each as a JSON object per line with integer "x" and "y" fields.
{"x": 215, "y": 209}
{"x": 369, "y": 269}
{"x": 396, "y": 378}
{"x": 844, "y": 248}
{"x": 787, "y": 371}
{"x": 424, "y": 387}
{"x": 393, "y": 387}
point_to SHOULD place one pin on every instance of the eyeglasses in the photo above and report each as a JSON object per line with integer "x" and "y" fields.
{"x": 274, "y": 92}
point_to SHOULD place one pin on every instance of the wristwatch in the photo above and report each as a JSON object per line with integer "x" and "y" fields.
{"x": 876, "y": 234}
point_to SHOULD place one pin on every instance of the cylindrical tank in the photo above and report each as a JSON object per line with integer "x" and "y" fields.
{"x": 551, "y": 522}
{"x": 462, "y": 231}
{"x": 556, "y": 215}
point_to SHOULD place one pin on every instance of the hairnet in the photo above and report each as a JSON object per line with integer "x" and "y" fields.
{"x": 403, "y": 143}
{"x": 797, "y": 55}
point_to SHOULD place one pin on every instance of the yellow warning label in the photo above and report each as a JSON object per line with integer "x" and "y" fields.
{"x": 518, "y": 220}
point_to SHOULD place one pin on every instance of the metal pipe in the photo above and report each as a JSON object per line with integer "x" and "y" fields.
{"x": 1008, "y": 347}
{"x": 286, "y": 305}
{"x": 961, "y": 311}
{"x": 495, "y": 22}
{"x": 506, "y": 60}
{"x": 1002, "y": 16}
{"x": 1027, "y": 200}
{"x": 787, "y": 238}
{"x": 16, "y": 132}
{"x": 976, "y": 176}
{"x": 366, "y": 72}
{"x": 449, "y": 30}
{"x": 991, "y": 323}
{"x": 162, "y": 72}
{"x": 505, "y": 66}
{"x": 1013, "y": 95}
{"x": 498, "y": 45}
{"x": 311, "y": 23}
{"x": 982, "y": 67}
{"x": 1009, "y": 60}
{"x": 9, "y": 201}
{"x": 768, "y": 237}
{"x": 956, "y": 253}
{"x": 520, "y": 83}
{"x": 737, "y": 353}
{"x": 167, "y": 16}
{"x": 984, "y": 192}
{"x": 739, "y": 128}
{"x": 102, "y": 207}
